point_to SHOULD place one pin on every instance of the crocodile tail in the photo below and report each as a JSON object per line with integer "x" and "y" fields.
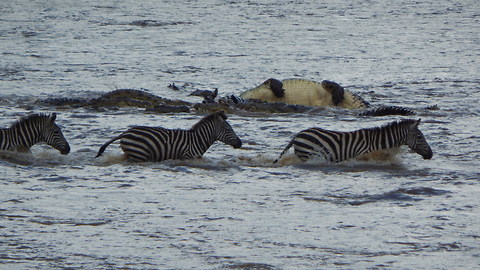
{"x": 388, "y": 110}
{"x": 355, "y": 101}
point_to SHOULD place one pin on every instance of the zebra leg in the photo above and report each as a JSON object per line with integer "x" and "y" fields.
{"x": 103, "y": 147}
{"x": 23, "y": 149}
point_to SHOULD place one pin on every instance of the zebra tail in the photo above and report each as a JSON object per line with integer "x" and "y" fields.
{"x": 284, "y": 150}
{"x": 103, "y": 147}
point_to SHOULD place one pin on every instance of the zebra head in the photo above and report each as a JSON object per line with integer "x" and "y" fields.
{"x": 53, "y": 136}
{"x": 225, "y": 132}
{"x": 417, "y": 142}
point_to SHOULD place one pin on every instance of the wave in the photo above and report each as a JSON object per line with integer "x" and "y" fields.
{"x": 397, "y": 195}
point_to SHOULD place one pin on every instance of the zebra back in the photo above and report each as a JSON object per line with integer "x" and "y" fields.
{"x": 32, "y": 129}
{"x": 334, "y": 146}
{"x": 144, "y": 143}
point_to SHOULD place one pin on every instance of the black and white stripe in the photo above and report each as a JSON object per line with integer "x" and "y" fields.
{"x": 33, "y": 129}
{"x": 232, "y": 99}
{"x": 336, "y": 146}
{"x": 157, "y": 144}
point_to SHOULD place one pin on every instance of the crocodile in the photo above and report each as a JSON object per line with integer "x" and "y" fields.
{"x": 124, "y": 98}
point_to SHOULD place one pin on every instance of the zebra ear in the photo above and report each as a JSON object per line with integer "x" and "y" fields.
{"x": 417, "y": 122}
{"x": 222, "y": 114}
{"x": 53, "y": 116}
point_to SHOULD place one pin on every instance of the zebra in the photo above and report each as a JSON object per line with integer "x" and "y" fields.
{"x": 232, "y": 100}
{"x": 142, "y": 143}
{"x": 32, "y": 129}
{"x": 211, "y": 97}
{"x": 336, "y": 146}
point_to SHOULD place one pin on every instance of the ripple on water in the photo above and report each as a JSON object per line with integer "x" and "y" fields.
{"x": 401, "y": 195}
{"x": 44, "y": 220}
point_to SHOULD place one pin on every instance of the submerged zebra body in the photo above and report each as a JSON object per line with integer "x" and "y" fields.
{"x": 336, "y": 146}
{"x": 157, "y": 144}
{"x": 32, "y": 129}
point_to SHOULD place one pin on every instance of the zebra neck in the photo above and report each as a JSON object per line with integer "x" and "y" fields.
{"x": 384, "y": 138}
{"x": 203, "y": 137}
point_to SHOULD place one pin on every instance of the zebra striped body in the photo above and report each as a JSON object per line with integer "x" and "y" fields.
{"x": 211, "y": 97}
{"x": 33, "y": 129}
{"x": 336, "y": 146}
{"x": 232, "y": 99}
{"x": 157, "y": 144}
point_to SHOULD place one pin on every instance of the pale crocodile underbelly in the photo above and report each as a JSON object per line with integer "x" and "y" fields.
{"x": 304, "y": 92}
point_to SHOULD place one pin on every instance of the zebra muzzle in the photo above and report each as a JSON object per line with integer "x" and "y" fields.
{"x": 65, "y": 150}
{"x": 428, "y": 155}
{"x": 237, "y": 144}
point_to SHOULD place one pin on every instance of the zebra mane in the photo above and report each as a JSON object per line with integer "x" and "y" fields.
{"x": 209, "y": 118}
{"x": 403, "y": 122}
{"x": 29, "y": 118}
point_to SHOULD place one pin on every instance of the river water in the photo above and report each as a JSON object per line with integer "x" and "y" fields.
{"x": 233, "y": 208}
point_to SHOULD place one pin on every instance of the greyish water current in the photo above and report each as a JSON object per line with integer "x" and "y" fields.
{"x": 233, "y": 208}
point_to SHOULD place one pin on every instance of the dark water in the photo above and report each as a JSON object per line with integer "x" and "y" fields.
{"x": 234, "y": 209}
